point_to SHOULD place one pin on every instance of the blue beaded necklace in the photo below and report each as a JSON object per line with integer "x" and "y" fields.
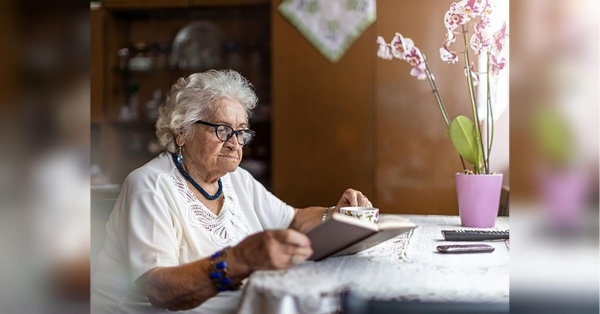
{"x": 194, "y": 183}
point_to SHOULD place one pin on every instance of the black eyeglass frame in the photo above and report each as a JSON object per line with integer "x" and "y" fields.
{"x": 236, "y": 132}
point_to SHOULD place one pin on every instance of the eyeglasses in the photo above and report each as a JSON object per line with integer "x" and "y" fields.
{"x": 225, "y": 132}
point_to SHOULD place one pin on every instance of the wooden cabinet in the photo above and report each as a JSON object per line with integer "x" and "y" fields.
{"x": 139, "y": 64}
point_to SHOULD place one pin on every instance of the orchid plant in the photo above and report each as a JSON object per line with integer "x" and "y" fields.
{"x": 488, "y": 39}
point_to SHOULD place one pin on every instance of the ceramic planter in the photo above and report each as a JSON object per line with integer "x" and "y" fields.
{"x": 478, "y": 199}
{"x": 563, "y": 194}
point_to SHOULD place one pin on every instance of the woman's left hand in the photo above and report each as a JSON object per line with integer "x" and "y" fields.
{"x": 353, "y": 197}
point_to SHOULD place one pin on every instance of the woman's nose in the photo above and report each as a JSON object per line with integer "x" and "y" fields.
{"x": 233, "y": 140}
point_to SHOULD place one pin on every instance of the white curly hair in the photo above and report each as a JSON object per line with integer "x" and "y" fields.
{"x": 190, "y": 100}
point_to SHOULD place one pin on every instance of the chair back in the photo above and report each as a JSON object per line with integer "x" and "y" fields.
{"x": 100, "y": 211}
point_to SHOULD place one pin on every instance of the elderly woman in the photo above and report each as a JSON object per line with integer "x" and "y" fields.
{"x": 190, "y": 225}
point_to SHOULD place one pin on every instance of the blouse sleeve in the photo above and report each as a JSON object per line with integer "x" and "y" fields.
{"x": 272, "y": 212}
{"x": 146, "y": 228}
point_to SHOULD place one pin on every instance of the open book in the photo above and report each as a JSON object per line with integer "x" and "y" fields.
{"x": 343, "y": 235}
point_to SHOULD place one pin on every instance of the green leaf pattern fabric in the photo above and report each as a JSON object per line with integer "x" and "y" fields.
{"x": 331, "y": 26}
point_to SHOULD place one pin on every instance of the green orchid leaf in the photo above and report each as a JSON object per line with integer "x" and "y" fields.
{"x": 464, "y": 138}
{"x": 555, "y": 137}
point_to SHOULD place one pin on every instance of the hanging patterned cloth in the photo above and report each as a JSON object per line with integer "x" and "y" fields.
{"x": 330, "y": 25}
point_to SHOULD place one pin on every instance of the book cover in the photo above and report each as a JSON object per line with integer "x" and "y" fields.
{"x": 342, "y": 235}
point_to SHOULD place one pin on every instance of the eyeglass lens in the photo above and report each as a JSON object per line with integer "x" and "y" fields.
{"x": 224, "y": 133}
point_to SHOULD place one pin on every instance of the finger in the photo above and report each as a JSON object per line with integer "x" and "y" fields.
{"x": 351, "y": 197}
{"x": 294, "y": 260}
{"x": 292, "y": 249}
{"x": 362, "y": 199}
{"x": 302, "y": 254}
{"x": 367, "y": 202}
{"x": 292, "y": 238}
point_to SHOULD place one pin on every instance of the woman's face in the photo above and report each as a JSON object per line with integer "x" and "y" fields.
{"x": 206, "y": 150}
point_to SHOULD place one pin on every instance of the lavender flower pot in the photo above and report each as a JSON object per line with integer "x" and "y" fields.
{"x": 563, "y": 194}
{"x": 478, "y": 199}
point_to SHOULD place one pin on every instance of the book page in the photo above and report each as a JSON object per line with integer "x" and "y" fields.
{"x": 338, "y": 233}
{"x": 377, "y": 238}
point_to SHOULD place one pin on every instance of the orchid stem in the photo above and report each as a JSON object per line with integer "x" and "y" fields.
{"x": 440, "y": 103}
{"x": 473, "y": 103}
{"x": 490, "y": 135}
{"x": 435, "y": 91}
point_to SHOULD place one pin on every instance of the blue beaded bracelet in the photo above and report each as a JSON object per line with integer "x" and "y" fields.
{"x": 218, "y": 272}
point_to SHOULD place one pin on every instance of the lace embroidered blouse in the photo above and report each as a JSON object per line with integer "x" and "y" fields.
{"x": 228, "y": 228}
{"x": 158, "y": 222}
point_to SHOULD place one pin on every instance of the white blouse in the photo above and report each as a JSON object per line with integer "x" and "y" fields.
{"x": 158, "y": 222}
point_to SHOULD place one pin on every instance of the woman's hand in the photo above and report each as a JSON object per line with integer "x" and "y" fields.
{"x": 187, "y": 286}
{"x": 272, "y": 249}
{"x": 353, "y": 198}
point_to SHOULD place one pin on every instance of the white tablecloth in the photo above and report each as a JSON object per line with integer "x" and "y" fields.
{"x": 404, "y": 268}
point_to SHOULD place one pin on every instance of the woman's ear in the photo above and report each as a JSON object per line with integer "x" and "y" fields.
{"x": 179, "y": 139}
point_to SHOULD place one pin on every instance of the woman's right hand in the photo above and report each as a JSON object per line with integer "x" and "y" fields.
{"x": 272, "y": 249}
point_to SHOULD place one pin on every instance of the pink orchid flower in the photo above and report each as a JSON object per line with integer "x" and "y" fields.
{"x": 384, "y": 51}
{"x": 479, "y": 43}
{"x": 496, "y": 65}
{"x": 450, "y": 37}
{"x": 419, "y": 72}
{"x": 483, "y": 26}
{"x": 414, "y": 57}
{"x": 448, "y": 55}
{"x": 488, "y": 8}
{"x": 455, "y": 17}
{"x": 400, "y": 46}
{"x": 500, "y": 38}
{"x": 474, "y": 74}
{"x": 471, "y": 7}
{"x": 404, "y": 49}
{"x": 445, "y": 53}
